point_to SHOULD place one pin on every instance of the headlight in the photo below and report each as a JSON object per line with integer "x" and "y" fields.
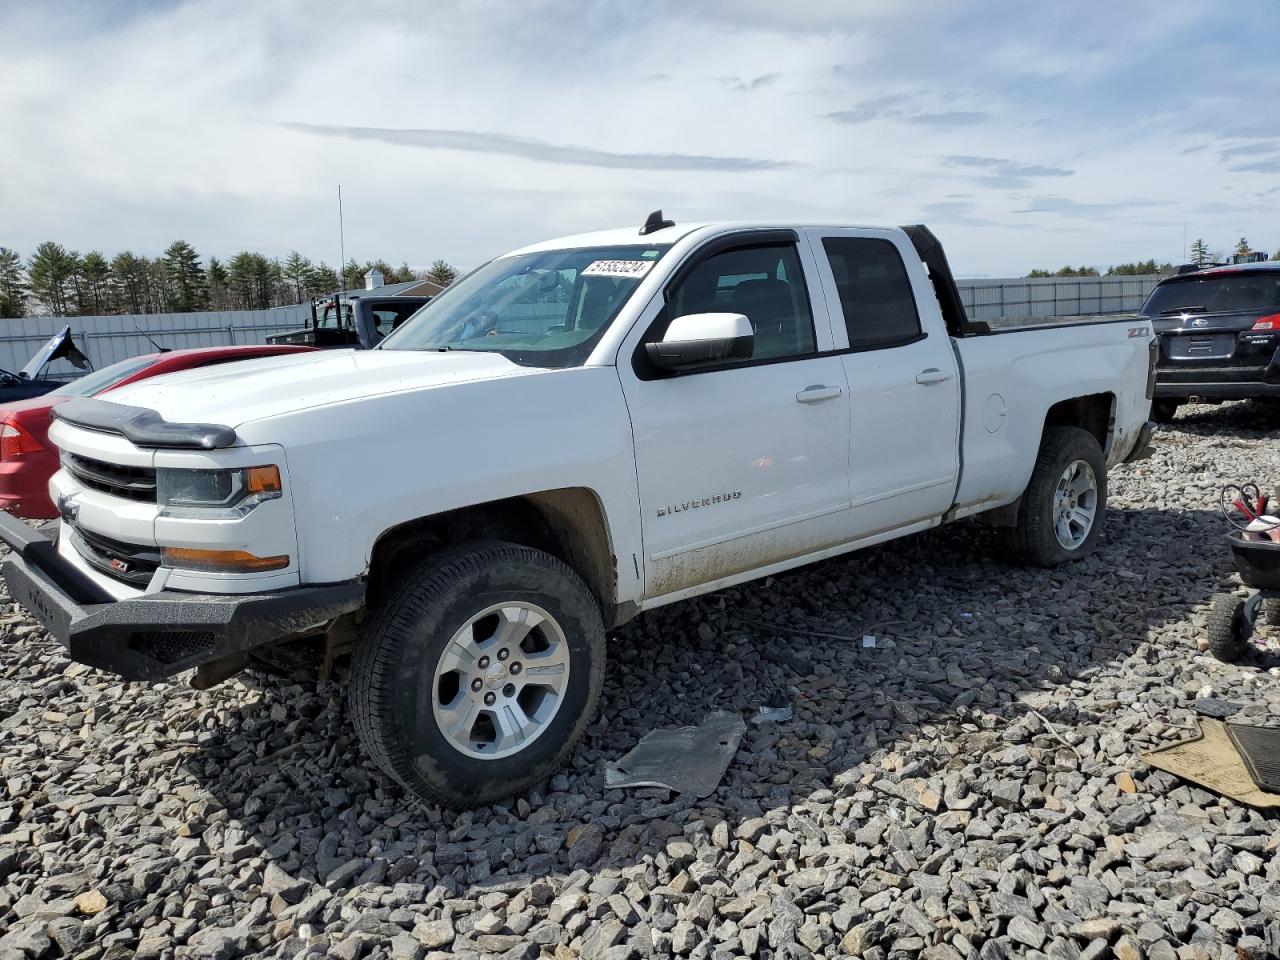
{"x": 206, "y": 492}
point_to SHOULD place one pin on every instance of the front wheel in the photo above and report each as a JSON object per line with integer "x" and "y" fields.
{"x": 475, "y": 678}
{"x": 1061, "y": 512}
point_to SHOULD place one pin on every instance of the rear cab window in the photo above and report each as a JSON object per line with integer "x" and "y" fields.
{"x": 874, "y": 292}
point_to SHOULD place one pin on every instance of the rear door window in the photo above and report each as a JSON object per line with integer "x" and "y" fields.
{"x": 875, "y": 292}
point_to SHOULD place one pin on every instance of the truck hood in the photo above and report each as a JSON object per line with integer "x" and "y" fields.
{"x": 236, "y": 393}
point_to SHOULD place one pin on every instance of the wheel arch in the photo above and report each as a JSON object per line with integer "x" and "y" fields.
{"x": 569, "y": 523}
{"x": 1094, "y": 412}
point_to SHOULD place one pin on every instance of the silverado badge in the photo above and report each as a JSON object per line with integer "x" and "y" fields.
{"x": 699, "y": 502}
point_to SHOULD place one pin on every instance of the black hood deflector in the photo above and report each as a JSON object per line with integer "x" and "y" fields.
{"x": 143, "y": 427}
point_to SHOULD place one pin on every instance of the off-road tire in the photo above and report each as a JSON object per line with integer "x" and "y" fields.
{"x": 1163, "y": 411}
{"x": 1226, "y": 630}
{"x": 400, "y": 648}
{"x": 1031, "y": 539}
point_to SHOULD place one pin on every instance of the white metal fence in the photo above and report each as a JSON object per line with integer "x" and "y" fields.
{"x": 108, "y": 339}
{"x": 1053, "y": 297}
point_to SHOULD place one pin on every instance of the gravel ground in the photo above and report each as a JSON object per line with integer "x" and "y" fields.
{"x": 971, "y": 786}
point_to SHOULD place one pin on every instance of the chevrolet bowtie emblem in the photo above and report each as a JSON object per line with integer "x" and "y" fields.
{"x": 68, "y": 509}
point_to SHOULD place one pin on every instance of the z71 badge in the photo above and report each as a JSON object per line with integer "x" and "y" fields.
{"x": 699, "y": 503}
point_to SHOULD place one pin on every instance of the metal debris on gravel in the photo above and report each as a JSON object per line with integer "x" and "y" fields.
{"x": 689, "y": 760}
{"x": 914, "y": 806}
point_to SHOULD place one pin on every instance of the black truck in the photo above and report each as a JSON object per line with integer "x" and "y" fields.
{"x": 358, "y": 318}
{"x": 1219, "y": 332}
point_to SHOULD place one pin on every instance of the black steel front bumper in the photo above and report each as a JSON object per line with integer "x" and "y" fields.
{"x": 155, "y": 635}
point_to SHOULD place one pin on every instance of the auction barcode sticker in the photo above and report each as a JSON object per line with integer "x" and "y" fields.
{"x": 618, "y": 268}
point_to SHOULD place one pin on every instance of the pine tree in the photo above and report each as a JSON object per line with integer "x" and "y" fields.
{"x": 1200, "y": 252}
{"x": 51, "y": 272}
{"x": 95, "y": 284}
{"x": 252, "y": 280}
{"x": 1242, "y": 246}
{"x": 13, "y": 285}
{"x": 219, "y": 297}
{"x": 353, "y": 275}
{"x": 444, "y": 274}
{"x": 129, "y": 280}
{"x": 322, "y": 280}
{"x": 184, "y": 280}
{"x": 297, "y": 270}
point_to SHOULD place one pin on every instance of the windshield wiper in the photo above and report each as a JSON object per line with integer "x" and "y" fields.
{"x": 1171, "y": 312}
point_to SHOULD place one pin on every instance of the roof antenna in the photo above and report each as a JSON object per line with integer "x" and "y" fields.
{"x": 143, "y": 333}
{"x": 655, "y": 222}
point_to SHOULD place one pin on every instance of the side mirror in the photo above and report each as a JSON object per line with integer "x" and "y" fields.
{"x": 698, "y": 338}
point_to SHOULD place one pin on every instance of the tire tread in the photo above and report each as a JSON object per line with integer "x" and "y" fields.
{"x": 1032, "y": 541}
{"x": 385, "y": 634}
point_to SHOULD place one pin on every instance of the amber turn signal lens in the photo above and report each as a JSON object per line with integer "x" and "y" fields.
{"x": 262, "y": 480}
{"x": 220, "y": 561}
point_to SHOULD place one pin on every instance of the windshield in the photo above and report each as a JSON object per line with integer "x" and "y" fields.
{"x": 100, "y": 380}
{"x": 1225, "y": 293}
{"x": 546, "y": 309}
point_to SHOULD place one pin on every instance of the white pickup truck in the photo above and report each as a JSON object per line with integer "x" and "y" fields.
{"x": 572, "y": 434}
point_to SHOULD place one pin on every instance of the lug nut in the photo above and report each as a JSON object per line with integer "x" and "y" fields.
{"x": 482, "y": 662}
{"x": 504, "y": 653}
{"x": 476, "y": 684}
{"x": 514, "y": 668}
{"x": 489, "y": 699}
{"x": 509, "y": 690}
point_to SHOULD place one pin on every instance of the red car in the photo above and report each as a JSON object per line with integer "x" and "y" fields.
{"x": 28, "y": 460}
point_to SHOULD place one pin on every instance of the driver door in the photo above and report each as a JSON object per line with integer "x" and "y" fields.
{"x": 743, "y": 464}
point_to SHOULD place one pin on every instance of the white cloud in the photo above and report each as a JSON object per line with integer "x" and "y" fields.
{"x": 461, "y": 129}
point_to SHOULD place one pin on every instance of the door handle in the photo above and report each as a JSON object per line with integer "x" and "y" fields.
{"x": 932, "y": 375}
{"x": 817, "y": 393}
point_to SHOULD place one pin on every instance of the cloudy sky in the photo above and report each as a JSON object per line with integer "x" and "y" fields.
{"x": 1025, "y": 134}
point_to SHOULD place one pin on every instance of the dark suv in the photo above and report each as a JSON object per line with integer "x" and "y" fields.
{"x": 1219, "y": 332}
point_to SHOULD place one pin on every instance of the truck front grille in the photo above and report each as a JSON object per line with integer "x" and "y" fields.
{"x": 127, "y": 562}
{"x": 131, "y": 483}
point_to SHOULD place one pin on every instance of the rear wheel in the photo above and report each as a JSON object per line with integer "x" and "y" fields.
{"x": 1226, "y": 631}
{"x": 1061, "y": 512}
{"x": 474, "y": 679}
{"x": 1163, "y": 411}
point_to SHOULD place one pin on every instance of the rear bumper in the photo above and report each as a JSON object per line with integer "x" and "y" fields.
{"x": 24, "y": 486}
{"x": 155, "y": 635}
{"x": 1244, "y": 390}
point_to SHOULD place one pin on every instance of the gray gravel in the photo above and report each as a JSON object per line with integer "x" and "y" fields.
{"x": 971, "y": 786}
